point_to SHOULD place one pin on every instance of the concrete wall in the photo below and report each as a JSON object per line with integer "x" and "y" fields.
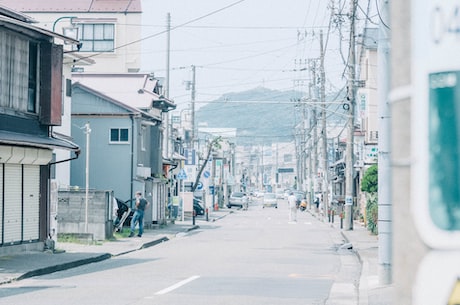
{"x": 71, "y": 214}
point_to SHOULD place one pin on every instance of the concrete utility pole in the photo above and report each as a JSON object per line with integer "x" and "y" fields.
{"x": 384, "y": 172}
{"x": 166, "y": 85}
{"x": 193, "y": 104}
{"x": 348, "y": 225}
{"x": 325, "y": 183}
{"x": 314, "y": 151}
{"x": 168, "y": 53}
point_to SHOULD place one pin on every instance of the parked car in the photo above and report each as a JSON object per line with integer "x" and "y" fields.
{"x": 270, "y": 200}
{"x": 197, "y": 207}
{"x": 238, "y": 199}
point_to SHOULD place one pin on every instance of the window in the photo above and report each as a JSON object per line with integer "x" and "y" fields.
{"x": 32, "y": 88}
{"x": 119, "y": 135}
{"x": 288, "y": 158}
{"x": 98, "y": 37}
{"x": 143, "y": 137}
{"x": 14, "y": 69}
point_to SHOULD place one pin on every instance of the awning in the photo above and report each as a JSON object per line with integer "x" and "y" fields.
{"x": 20, "y": 139}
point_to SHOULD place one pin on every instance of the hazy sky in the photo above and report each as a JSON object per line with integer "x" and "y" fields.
{"x": 238, "y": 45}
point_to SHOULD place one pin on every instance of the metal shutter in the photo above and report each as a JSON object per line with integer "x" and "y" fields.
{"x": 31, "y": 202}
{"x": 1, "y": 204}
{"x": 13, "y": 208}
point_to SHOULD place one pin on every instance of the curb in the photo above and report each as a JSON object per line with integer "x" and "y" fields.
{"x": 81, "y": 262}
{"x": 65, "y": 266}
{"x": 363, "y": 296}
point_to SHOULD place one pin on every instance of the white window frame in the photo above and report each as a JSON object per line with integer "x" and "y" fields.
{"x": 119, "y": 133}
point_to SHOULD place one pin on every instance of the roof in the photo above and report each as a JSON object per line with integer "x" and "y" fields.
{"x": 17, "y": 23}
{"x": 133, "y": 89}
{"x": 20, "y": 139}
{"x": 83, "y": 6}
{"x": 121, "y": 104}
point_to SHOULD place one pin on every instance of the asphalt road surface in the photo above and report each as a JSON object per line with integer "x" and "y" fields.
{"x": 249, "y": 257}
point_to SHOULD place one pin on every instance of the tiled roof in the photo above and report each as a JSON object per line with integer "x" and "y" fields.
{"x": 49, "y": 6}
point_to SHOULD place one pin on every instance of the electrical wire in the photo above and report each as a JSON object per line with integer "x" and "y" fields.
{"x": 165, "y": 31}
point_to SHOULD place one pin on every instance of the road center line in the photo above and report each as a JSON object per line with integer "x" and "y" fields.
{"x": 177, "y": 285}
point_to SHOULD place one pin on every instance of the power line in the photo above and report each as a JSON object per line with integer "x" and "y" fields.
{"x": 165, "y": 31}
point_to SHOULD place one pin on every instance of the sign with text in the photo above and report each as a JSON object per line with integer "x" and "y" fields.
{"x": 435, "y": 134}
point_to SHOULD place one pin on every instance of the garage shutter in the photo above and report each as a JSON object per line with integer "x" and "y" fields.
{"x": 1, "y": 204}
{"x": 13, "y": 206}
{"x": 31, "y": 202}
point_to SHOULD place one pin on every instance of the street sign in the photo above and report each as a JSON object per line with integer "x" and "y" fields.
{"x": 182, "y": 175}
{"x": 435, "y": 135}
{"x": 199, "y": 186}
{"x": 206, "y": 174}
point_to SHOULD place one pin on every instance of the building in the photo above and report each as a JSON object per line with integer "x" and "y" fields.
{"x": 108, "y": 30}
{"x": 116, "y": 119}
{"x": 30, "y": 105}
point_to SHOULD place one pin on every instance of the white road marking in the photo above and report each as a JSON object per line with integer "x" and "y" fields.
{"x": 177, "y": 285}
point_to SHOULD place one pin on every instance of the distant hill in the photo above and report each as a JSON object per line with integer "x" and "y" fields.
{"x": 260, "y": 115}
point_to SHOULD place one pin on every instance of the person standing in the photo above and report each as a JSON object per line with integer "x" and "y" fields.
{"x": 138, "y": 216}
{"x": 292, "y": 201}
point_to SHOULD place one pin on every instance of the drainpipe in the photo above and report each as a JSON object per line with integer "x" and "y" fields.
{"x": 132, "y": 161}
{"x": 77, "y": 154}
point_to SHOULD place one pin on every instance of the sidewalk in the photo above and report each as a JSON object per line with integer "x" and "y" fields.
{"x": 365, "y": 245}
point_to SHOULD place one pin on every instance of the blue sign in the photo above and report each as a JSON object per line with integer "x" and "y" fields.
{"x": 189, "y": 156}
{"x": 199, "y": 186}
{"x": 206, "y": 174}
{"x": 182, "y": 175}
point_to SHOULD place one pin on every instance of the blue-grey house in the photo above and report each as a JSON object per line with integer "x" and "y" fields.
{"x": 117, "y": 120}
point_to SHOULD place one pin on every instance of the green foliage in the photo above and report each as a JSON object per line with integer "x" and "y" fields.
{"x": 369, "y": 184}
{"x": 372, "y": 214}
{"x": 370, "y": 180}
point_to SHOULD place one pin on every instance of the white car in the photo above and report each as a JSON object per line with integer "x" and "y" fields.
{"x": 238, "y": 199}
{"x": 270, "y": 200}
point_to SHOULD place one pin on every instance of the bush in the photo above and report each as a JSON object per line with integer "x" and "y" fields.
{"x": 372, "y": 214}
{"x": 369, "y": 185}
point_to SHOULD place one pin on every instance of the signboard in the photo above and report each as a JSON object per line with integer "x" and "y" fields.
{"x": 435, "y": 133}
{"x": 206, "y": 174}
{"x": 349, "y": 200}
{"x": 189, "y": 156}
{"x": 182, "y": 175}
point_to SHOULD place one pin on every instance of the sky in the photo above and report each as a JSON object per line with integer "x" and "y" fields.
{"x": 237, "y": 45}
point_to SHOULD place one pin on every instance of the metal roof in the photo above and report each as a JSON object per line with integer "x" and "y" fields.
{"x": 21, "y": 139}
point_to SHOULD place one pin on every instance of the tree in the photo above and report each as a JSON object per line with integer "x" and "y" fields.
{"x": 213, "y": 144}
{"x": 370, "y": 180}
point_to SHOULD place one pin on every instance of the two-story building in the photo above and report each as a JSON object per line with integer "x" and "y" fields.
{"x": 30, "y": 105}
{"x": 124, "y": 144}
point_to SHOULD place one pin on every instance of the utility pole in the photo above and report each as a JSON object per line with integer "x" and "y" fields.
{"x": 351, "y": 123}
{"x": 168, "y": 128}
{"x": 384, "y": 163}
{"x": 168, "y": 51}
{"x": 324, "y": 128}
{"x": 314, "y": 129}
{"x": 193, "y": 104}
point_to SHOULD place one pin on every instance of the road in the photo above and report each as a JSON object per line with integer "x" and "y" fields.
{"x": 249, "y": 257}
